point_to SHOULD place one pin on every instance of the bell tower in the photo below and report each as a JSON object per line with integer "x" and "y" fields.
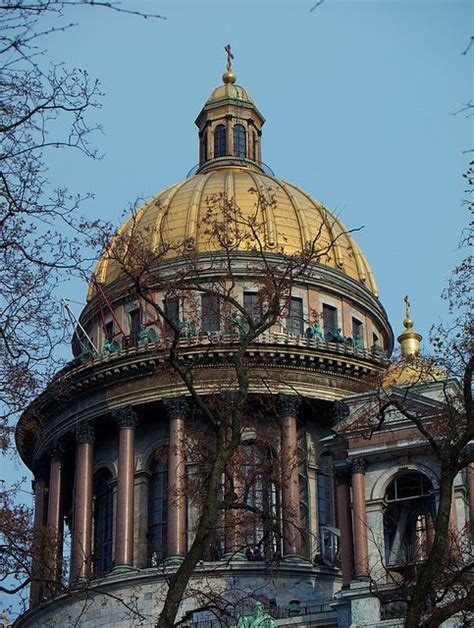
{"x": 230, "y": 126}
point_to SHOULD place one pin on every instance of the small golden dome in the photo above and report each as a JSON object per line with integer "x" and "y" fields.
{"x": 409, "y": 340}
{"x": 229, "y": 90}
{"x": 287, "y": 223}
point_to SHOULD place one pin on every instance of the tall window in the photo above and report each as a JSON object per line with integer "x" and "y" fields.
{"x": 261, "y": 495}
{"x": 357, "y": 333}
{"x": 240, "y": 141}
{"x": 135, "y": 322}
{"x": 220, "y": 141}
{"x": 103, "y": 521}
{"x": 325, "y": 491}
{"x": 295, "y": 322}
{"x": 157, "y": 512}
{"x": 330, "y": 321}
{"x": 171, "y": 307}
{"x": 109, "y": 330}
{"x": 253, "y": 305}
{"x": 210, "y": 313}
{"x": 408, "y": 520}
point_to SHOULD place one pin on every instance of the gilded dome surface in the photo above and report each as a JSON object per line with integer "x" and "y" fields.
{"x": 178, "y": 215}
{"x": 229, "y": 90}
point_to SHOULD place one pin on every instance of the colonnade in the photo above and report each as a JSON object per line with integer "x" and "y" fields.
{"x": 126, "y": 420}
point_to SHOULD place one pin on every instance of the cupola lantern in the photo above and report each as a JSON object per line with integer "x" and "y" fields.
{"x": 230, "y": 126}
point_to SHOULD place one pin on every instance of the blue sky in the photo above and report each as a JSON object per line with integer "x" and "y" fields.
{"x": 358, "y": 97}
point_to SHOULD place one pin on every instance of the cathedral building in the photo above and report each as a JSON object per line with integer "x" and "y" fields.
{"x": 112, "y": 442}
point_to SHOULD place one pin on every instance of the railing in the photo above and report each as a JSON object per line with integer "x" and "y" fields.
{"x": 195, "y": 339}
{"x": 230, "y": 160}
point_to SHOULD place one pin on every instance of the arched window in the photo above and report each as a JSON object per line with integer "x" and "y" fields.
{"x": 204, "y": 145}
{"x": 408, "y": 520}
{"x": 329, "y": 540}
{"x": 325, "y": 491}
{"x": 157, "y": 512}
{"x": 240, "y": 141}
{"x": 103, "y": 521}
{"x": 220, "y": 141}
{"x": 261, "y": 496}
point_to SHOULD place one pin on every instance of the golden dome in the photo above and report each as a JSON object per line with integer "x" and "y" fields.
{"x": 229, "y": 90}
{"x": 412, "y": 370}
{"x": 179, "y": 216}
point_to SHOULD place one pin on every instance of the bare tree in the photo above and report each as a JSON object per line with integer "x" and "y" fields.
{"x": 224, "y": 412}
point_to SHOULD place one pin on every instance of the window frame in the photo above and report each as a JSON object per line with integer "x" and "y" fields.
{"x": 220, "y": 141}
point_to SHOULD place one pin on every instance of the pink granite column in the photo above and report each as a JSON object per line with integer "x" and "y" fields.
{"x": 126, "y": 419}
{"x": 176, "y": 547}
{"x": 82, "y": 528}
{"x": 344, "y": 515}
{"x": 36, "y": 588}
{"x": 290, "y": 485}
{"x": 54, "y": 554}
{"x": 361, "y": 551}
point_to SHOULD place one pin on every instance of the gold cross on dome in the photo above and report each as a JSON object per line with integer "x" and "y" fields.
{"x": 230, "y": 56}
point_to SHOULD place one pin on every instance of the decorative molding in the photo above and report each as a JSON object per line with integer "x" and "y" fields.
{"x": 287, "y": 405}
{"x": 176, "y": 407}
{"x": 85, "y": 434}
{"x": 126, "y": 417}
{"x": 358, "y": 465}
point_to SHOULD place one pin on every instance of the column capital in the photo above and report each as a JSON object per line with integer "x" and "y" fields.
{"x": 85, "y": 434}
{"x": 287, "y": 405}
{"x": 339, "y": 411}
{"x": 126, "y": 417}
{"x": 358, "y": 465}
{"x": 176, "y": 407}
{"x": 57, "y": 451}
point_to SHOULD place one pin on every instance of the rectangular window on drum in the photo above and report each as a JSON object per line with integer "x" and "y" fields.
{"x": 109, "y": 330}
{"x": 294, "y": 322}
{"x": 253, "y": 305}
{"x": 171, "y": 307}
{"x": 357, "y": 333}
{"x": 329, "y": 321}
{"x": 210, "y": 313}
{"x": 135, "y": 322}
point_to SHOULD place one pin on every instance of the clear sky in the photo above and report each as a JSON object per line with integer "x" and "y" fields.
{"x": 359, "y": 99}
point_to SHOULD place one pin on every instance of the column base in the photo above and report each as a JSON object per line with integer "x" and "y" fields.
{"x": 173, "y": 561}
{"x": 294, "y": 558}
{"x": 122, "y": 569}
{"x": 237, "y": 556}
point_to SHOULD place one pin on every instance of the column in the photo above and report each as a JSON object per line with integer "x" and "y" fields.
{"x": 229, "y": 135}
{"x": 250, "y": 135}
{"x": 36, "y": 588}
{"x": 361, "y": 553}
{"x": 290, "y": 485}
{"x": 82, "y": 529}
{"x": 176, "y": 547}
{"x": 126, "y": 420}
{"x": 470, "y": 493}
{"x": 344, "y": 515}
{"x": 54, "y": 552}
